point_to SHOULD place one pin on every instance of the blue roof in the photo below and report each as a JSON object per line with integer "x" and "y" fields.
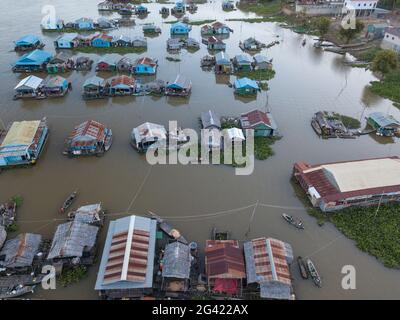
{"x": 382, "y": 120}
{"x": 246, "y": 83}
{"x": 67, "y": 37}
{"x": 243, "y": 58}
{"x": 27, "y": 40}
{"x": 35, "y": 57}
{"x": 140, "y": 7}
{"x": 180, "y": 25}
{"x": 222, "y": 58}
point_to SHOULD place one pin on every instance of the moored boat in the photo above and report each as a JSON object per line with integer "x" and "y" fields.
{"x": 16, "y": 292}
{"x": 302, "y": 267}
{"x": 293, "y": 221}
{"x": 68, "y": 202}
{"x": 168, "y": 229}
{"x": 314, "y": 273}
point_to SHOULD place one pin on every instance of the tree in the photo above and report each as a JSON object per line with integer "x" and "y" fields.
{"x": 350, "y": 33}
{"x": 385, "y": 61}
{"x": 322, "y": 24}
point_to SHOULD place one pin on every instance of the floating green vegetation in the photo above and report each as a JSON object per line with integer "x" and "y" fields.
{"x": 278, "y": 18}
{"x": 73, "y": 275}
{"x": 261, "y": 8}
{"x": 74, "y": 30}
{"x": 349, "y": 122}
{"x": 139, "y": 1}
{"x": 376, "y": 232}
{"x": 258, "y": 75}
{"x": 18, "y": 200}
{"x": 193, "y": 23}
{"x": 12, "y": 228}
{"x": 164, "y": 1}
{"x": 388, "y": 87}
{"x": 262, "y": 147}
{"x": 120, "y": 50}
{"x": 172, "y": 59}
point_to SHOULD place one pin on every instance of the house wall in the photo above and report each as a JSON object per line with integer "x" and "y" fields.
{"x": 320, "y": 9}
{"x": 62, "y": 44}
{"x": 391, "y": 41}
{"x": 143, "y": 69}
{"x": 100, "y": 43}
{"x": 85, "y": 25}
{"x": 263, "y": 131}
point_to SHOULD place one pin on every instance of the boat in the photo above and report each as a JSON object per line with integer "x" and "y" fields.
{"x": 219, "y": 235}
{"x": 302, "y": 267}
{"x": 293, "y": 221}
{"x": 108, "y": 140}
{"x": 67, "y": 203}
{"x": 168, "y": 229}
{"x": 17, "y": 292}
{"x": 304, "y": 42}
{"x": 314, "y": 273}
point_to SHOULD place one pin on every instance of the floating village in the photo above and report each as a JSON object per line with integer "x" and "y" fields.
{"x": 145, "y": 256}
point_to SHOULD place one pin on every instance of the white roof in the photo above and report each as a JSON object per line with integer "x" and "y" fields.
{"x": 235, "y": 134}
{"x": 148, "y": 131}
{"x": 31, "y": 82}
{"x": 365, "y": 174}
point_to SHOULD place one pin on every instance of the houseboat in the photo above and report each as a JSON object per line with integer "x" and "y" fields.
{"x": 214, "y": 43}
{"x": 261, "y": 62}
{"x": 180, "y": 29}
{"x": 22, "y": 143}
{"x": 174, "y": 44}
{"x": 217, "y": 28}
{"x": 242, "y": 62}
{"x": 29, "y": 88}
{"x": 178, "y": 9}
{"x": 329, "y": 125}
{"x": 107, "y": 63}
{"x": 122, "y": 86}
{"x": 191, "y": 44}
{"x": 251, "y": 44}
{"x": 95, "y": 88}
{"x": 141, "y": 10}
{"x": 61, "y": 63}
{"x": 102, "y": 41}
{"x": 145, "y": 66}
{"x": 84, "y": 24}
{"x": 151, "y": 28}
{"x": 164, "y": 11}
{"x": 246, "y": 86}
{"x": 228, "y": 5}
{"x": 207, "y": 61}
{"x": 262, "y": 123}
{"x": 124, "y": 65}
{"x": 88, "y": 138}
{"x": 28, "y": 43}
{"x": 83, "y": 63}
{"x": 33, "y": 61}
{"x": 56, "y": 86}
{"x": 67, "y": 41}
{"x": 223, "y": 64}
{"x": 385, "y": 125}
{"x": 179, "y": 87}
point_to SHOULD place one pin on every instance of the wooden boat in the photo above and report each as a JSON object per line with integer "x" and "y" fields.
{"x": 17, "y": 292}
{"x": 108, "y": 140}
{"x": 167, "y": 228}
{"x": 293, "y": 221}
{"x": 302, "y": 267}
{"x": 67, "y": 203}
{"x": 314, "y": 273}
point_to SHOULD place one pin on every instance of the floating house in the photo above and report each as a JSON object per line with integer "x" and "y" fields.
{"x": 84, "y": 24}
{"x": 60, "y": 63}
{"x": 145, "y": 66}
{"x": 94, "y": 87}
{"x": 151, "y": 28}
{"x": 225, "y": 269}
{"x": 176, "y": 267}
{"x": 234, "y": 135}
{"x": 267, "y": 267}
{"x": 66, "y": 41}
{"x": 103, "y": 23}
{"x": 180, "y": 28}
{"x": 228, "y": 5}
{"x": 223, "y": 63}
{"x": 157, "y": 87}
{"x": 164, "y": 11}
{"x": 122, "y": 86}
{"x": 251, "y": 44}
{"x": 22, "y": 143}
{"x": 73, "y": 244}
{"x": 124, "y": 64}
{"x": 127, "y": 263}
{"x": 33, "y": 61}
{"x": 191, "y": 43}
{"x": 29, "y": 87}
{"x": 391, "y": 40}
{"x": 179, "y": 87}
{"x": 18, "y": 253}
{"x": 261, "y": 62}
{"x": 174, "y": 44}
{"x": 337, "y": 185}
{"x": 106, "y": 6}
{"x": 385, "y": 125}
{"x": 217, "y": 28}
{"x": 83, "y": 63}
{"x": 210, "y": 120}
{"x": 122, "y": 41}
{"x": 88, "y": 138}
{"x": 107, "y": 63}
{"x": 92, "y": 214}
{"x": 28, "y": 42}
{"x": 102, "y": 41}
{"x": 261, "y": 122}
{"x": 141, "y": 10}
{"x": 214, "y": 43}
{"x": 147, "y": 134}
{"x": 246, "y": 86}
{"x": 329, "y": 125}
{"x": 242, "y": 62}
{"x": 178, "y": 8}
{"x": 52, "y": 24}
{"x": 139, "y": 42}
{"x": 55, "y": 86}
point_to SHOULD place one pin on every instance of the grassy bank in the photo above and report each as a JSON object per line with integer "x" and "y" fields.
{"x": 193, "y": 23}
{"x": 349, "y": 122}
{"x": 376, "y": 233}
{"x": 73, "y": 275}
{"x": 278, "y": 18}
{"x": 262, "y": 8}
{"x": 121, "y": 50}
{"x": 388, "y": 87}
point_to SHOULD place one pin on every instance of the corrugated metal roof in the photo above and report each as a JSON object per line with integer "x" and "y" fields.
{"x": 176, "y": 261}
{"x": 29, "y": 39}
{"x": 87, "y": 133}
{"x": 21, "y": 133}
{"x": 245, "y": 83}
{"x": 36, "y": 57}
{"x": 210, "y": 119}
{"x": 94, "y": 81}
{"x": 20, "y": 251}
{"x": 255, "y": 117}
{"x": 31, "y": 82}
{"x": 384, "y": 120}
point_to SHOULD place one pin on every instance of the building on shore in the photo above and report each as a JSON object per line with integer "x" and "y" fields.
{"x": 267, "y": 267}
{"x": 363, "y": 8}
{"x": 319, "y": 8}
{"x": 126, "y": 268}
{"x": 391, "y": 39}
{"x": 337, "y": 185}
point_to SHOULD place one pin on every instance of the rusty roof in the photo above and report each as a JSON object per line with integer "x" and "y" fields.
{"x": 123, "y": 79}
{"x": 253, "y": 118}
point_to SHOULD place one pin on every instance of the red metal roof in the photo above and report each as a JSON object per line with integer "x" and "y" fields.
{"x": 224, "y": 259}
{"x": 124, "y": 79}
{"x": 254, "y": 118}
{"x": 146, "y": 61}
{"x": 87, "y": 133}
{"x": 104, "y": 36}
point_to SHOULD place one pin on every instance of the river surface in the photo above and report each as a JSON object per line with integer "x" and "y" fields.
{"x": 307, "y": 80}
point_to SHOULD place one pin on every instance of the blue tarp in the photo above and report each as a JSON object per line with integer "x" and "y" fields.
{"x": 36, "y": 57}
{"x": 29, "y": 39}
{"x": 246, "y": 83}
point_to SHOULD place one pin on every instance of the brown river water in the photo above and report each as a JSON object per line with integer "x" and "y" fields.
{"x": 307, "y": 80}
